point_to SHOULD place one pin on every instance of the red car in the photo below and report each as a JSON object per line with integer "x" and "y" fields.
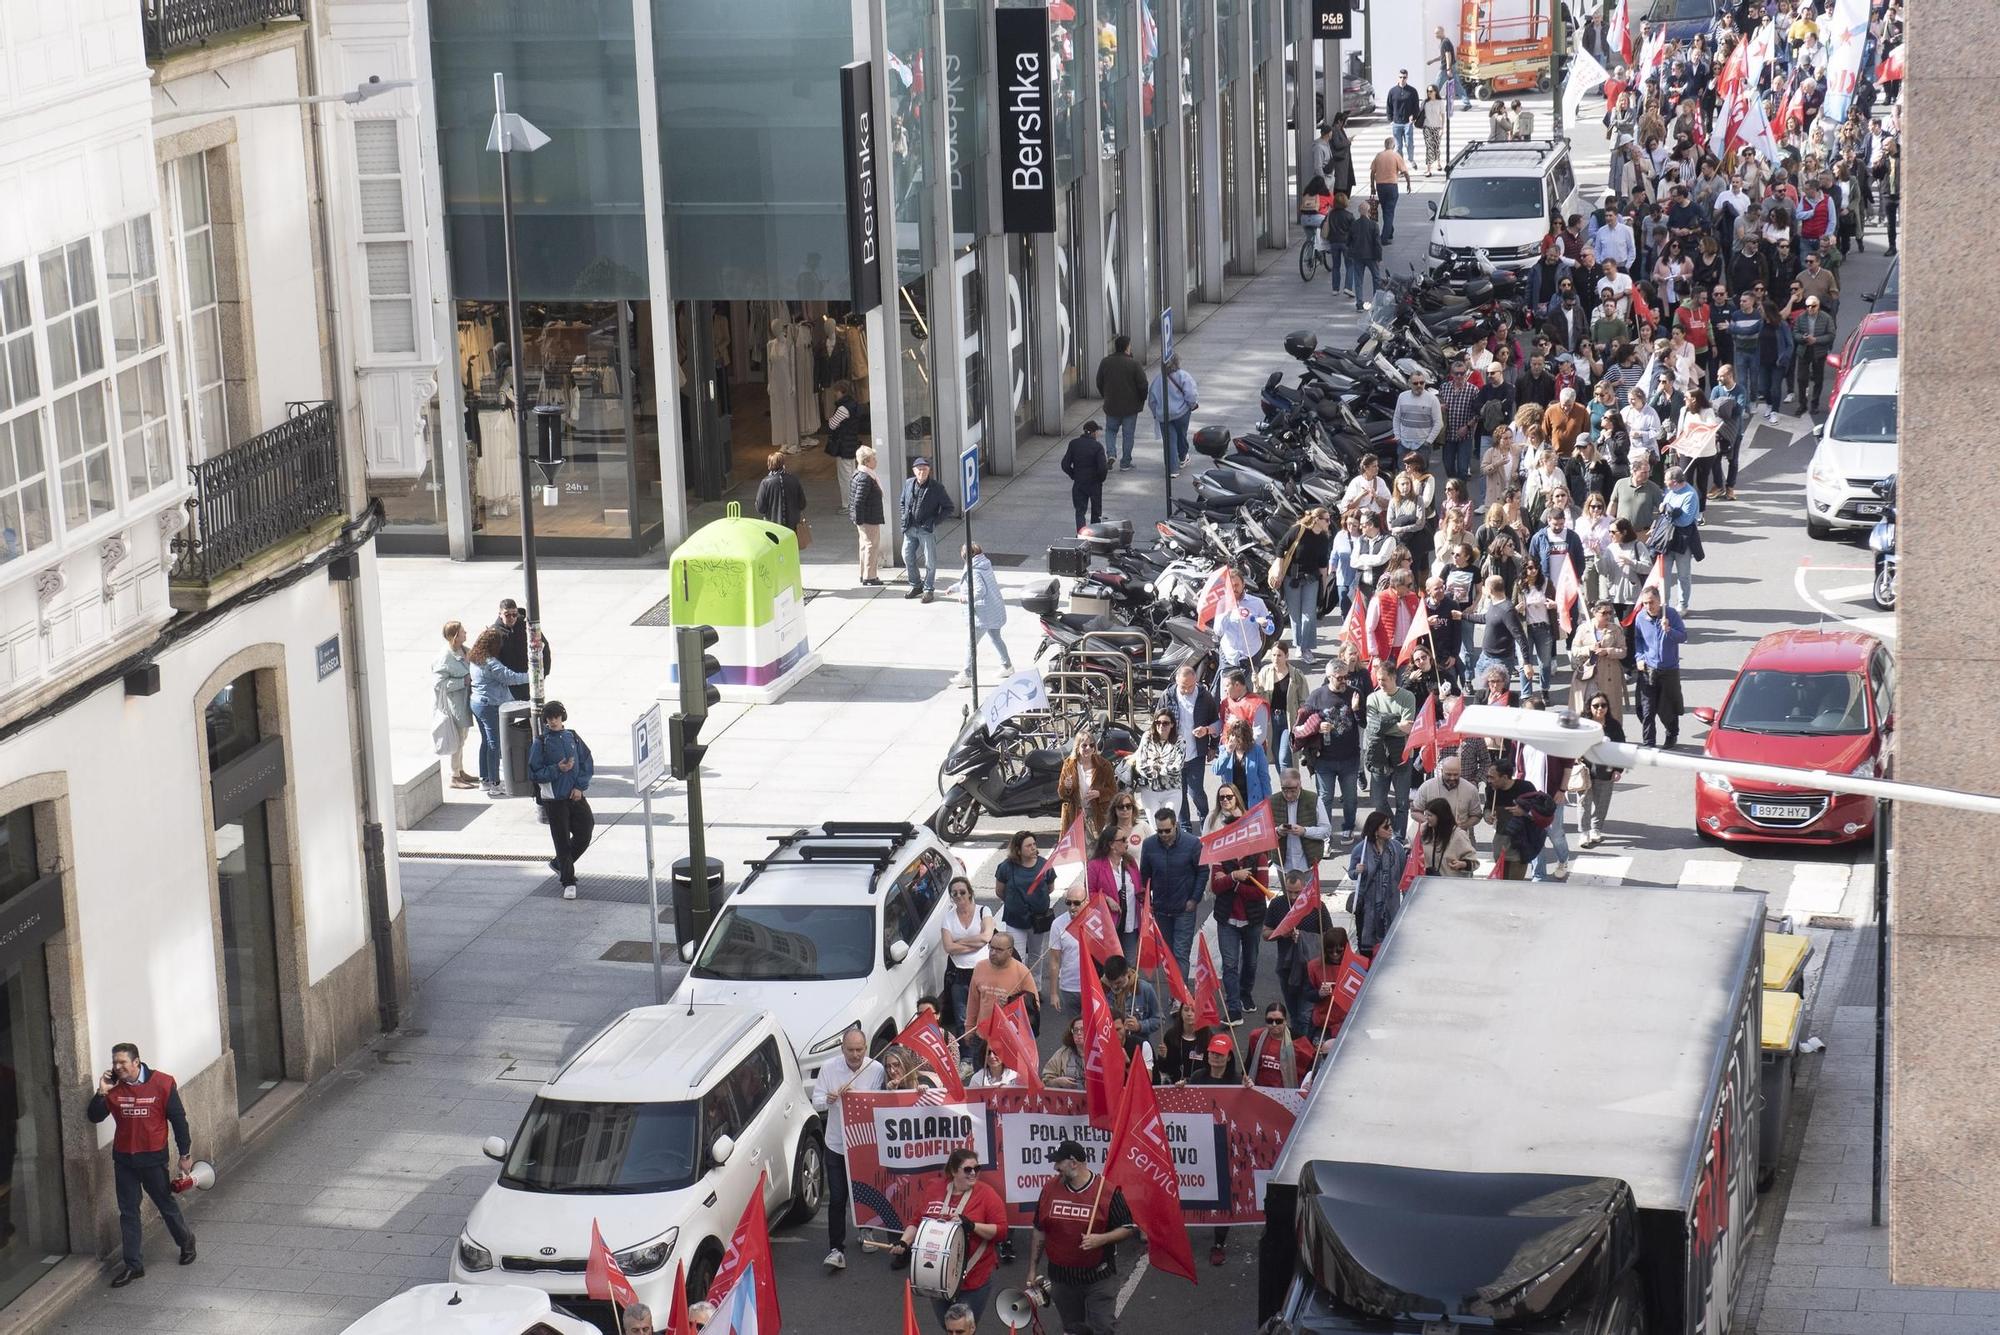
{"x": 1877, "y": 336}
{"x": 1807, "y": 699}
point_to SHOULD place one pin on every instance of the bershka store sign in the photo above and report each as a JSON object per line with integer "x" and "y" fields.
{"x": 1027, "y": 167}
{"x": 857, "y": 120}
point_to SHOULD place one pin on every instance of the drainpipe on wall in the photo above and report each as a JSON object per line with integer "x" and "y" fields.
{"x": 355, "y": 617}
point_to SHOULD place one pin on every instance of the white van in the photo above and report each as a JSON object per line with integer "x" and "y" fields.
{"x": 1499, "y": 198}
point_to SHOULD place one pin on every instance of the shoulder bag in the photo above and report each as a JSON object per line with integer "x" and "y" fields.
{"x": 1275, "y": 576}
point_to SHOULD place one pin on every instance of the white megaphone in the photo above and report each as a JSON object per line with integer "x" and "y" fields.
{"x": 1017, "y": 1308}
{"x": 198, "y": 1178}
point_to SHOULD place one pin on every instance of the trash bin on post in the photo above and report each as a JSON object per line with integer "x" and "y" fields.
{"x": 1783, "y": 1012}
{"x": 517, "y": 734}
{"x": 684, "y": 928}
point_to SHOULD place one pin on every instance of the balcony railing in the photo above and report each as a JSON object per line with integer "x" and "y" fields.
{"x": 172, "y": 25}
{"x": 255, "y": 495}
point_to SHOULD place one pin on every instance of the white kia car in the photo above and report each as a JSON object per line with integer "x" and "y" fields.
{"x": 484, "y": 1309}
{"x": 1857, "y": 449}
{"x": 838, "y": 926}
{"x": 657, "y": 1130}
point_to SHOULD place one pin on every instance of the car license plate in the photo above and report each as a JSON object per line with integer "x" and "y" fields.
{"x": 1868, "y": 508}
{"x": 1781, "y": 811}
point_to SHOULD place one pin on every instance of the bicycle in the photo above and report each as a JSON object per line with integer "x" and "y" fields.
{"x": 1312, "y": 256}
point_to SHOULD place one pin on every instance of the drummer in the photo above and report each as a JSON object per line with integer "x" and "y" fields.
{"x": 962, "y": 1200}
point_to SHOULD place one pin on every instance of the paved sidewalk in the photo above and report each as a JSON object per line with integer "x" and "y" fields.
{"x": 362, "y": 1194}
{"x": 865, "y": 733}
{"x": 1829, "y": 1272}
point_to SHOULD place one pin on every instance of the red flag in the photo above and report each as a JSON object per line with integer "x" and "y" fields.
{"x": 1495, "y": 875}
{"x": 1141, "y": 1164}
{"x": 1215, "y": 599}
{"x": 1413, "y": 866}
{"x": 1309, "y": 902}
{"x": 923, "y": 1037}
{"x": 910, "y": 1326}
{"x": 1420, "y": 630}
{"x": 1352, "y": 629}
{"x": 1103, "y": 1054}
{"x": 1073, "y": 849}
{"x": 1621, "y": 28}
{"x": 1352, "y": 974}
{"x": 1448, "y": 735}
{"x": 677, "y": 1316}
{"x": 1154, "y": 953}
{"x": 1569, "y": 590}
{"x": 1210, "y": 1006}
{"x": 1423, "y": 734}
{"x": 1893, "y": 65}
{"x": 602, "y": 1277}
{"x": 1641, "y": 312}
{"x": 1007, "y": 1031}
{"x": 750, "y": 1246}
{"x": 1096, "y": 929}
{"x": 1255, "y": 832}
{"x": 1729, "y": 78}
{"x": 1655, "y": 579}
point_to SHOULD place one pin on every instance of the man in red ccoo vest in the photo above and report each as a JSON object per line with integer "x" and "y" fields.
{"x": 144, "y": 1105}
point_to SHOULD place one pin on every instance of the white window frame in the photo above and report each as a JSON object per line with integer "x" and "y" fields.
{"x": 205, "y": 415}
{"x": 142, "y": 375}
{"x": 22, "y": 389}
{"x": 78, "y": 420}
{"x": 397, "y": 308}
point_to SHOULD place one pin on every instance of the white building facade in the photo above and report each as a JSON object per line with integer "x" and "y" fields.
{"x": 200, "y": 338}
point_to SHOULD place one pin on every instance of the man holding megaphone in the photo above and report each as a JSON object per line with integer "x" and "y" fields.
{"x": 145, "y": 1104}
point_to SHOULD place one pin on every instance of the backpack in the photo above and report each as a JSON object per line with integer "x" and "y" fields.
{"x": 1492, "y": 417}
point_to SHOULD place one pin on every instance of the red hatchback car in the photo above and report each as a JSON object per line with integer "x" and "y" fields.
{"x": 1807, "y": 699}
{"x": 1877, "y": 336}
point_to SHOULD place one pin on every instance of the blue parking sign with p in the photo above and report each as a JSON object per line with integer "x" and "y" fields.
{"x": 968, "y": 475}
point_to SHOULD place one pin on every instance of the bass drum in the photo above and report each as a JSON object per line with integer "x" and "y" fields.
{"x": 937, "y": 1258}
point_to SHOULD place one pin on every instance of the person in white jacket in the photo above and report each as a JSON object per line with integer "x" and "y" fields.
{"x": 989, "y": 611}
{"x": 1419, "y": 417}
{"x": 857, "y": 1073}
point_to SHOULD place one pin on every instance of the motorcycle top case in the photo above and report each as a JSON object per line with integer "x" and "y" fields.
{"x": 1068, "y": 560}
{"x": 1212, "y": 441}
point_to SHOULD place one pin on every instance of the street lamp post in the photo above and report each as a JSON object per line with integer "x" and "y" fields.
{"x": 513, "y": 134}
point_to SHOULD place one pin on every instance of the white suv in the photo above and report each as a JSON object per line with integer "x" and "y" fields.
{"x": 658, "y": 1130}
{"x": 1499, "y": 197}
{"x": 838, "y": 926}
{"x": 447, "y": 1309}
{"x": 1857, "y": 449}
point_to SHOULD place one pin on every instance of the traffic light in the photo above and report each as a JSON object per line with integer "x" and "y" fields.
{"x": 697, "y": 670}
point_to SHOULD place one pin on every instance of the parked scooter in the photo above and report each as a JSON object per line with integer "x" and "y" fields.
{"x": 1003, "y": 775}
{"x": 1882, "y": 541}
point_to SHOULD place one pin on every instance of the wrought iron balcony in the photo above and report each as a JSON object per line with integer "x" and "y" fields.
{"x": 173, "y": 25}
{"x": 253, "y": 496}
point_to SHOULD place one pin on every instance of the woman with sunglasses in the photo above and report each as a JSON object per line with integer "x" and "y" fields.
{"x": 1113, "y": 874}
{"x": 1595, "y": 793}
{"x": 1087, "y": 784}
{"x": 977, "y": 1208}
{"x": 1064, "y": 1068}
{"x": 967, "y": 930}
{"x": 1156, "y": 765}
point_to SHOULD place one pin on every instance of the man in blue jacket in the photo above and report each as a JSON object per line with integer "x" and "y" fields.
{"x": 926, "y": 504}
{"x": 1657, "y": 635}
{"x": 559, "y": 762}
{"x": 1170, "y": 868}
